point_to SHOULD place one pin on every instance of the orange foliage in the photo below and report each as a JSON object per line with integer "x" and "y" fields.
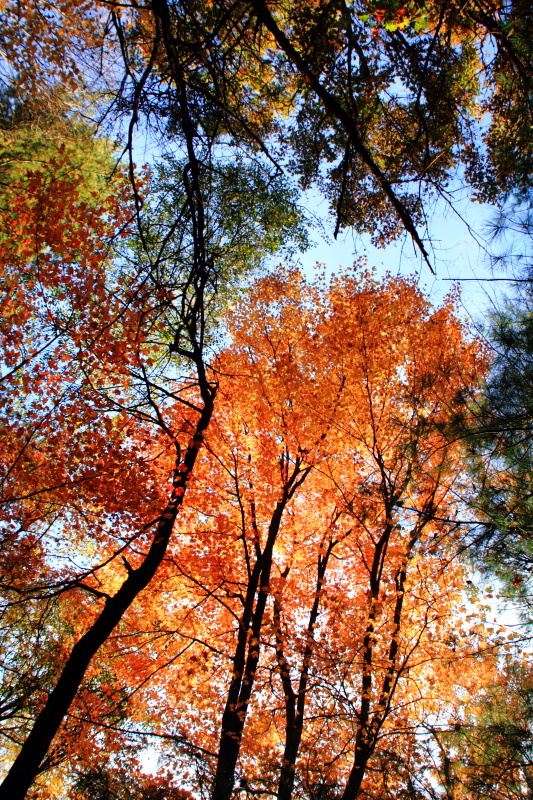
{"x": 328, "y": 493}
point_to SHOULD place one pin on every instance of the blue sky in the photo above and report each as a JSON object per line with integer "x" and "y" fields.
{"x": 458, "y": 251}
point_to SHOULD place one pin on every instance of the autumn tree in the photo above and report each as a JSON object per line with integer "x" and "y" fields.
{"x": 96, "y": 336}
{"x": 309, "y": 605}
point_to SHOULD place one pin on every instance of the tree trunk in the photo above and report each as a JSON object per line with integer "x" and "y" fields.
{"x": 26, "y": 765}
{"x": 245, "y": 666}
{"x": 295, "y": 703}
{"x": 240, "y": 691}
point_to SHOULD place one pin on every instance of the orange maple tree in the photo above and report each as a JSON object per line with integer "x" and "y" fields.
{"x": 303, "y": 624}
{"x": 355, "y": 384}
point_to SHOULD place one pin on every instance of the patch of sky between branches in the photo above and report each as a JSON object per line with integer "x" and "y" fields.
{"x": 455, "y": 235}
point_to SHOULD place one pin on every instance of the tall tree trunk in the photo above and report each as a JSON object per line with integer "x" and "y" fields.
{"x": 244, "y": 669}
{"x": 370, "y": 725}
{"x": 26, "y": 765}
{"x": 295, "y": 701}
{"x": 247, "y": 651}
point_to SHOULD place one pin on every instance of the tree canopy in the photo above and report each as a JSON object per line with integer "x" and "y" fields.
{"x": 236, "y": 501}
{"x": 380, "y": 107}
